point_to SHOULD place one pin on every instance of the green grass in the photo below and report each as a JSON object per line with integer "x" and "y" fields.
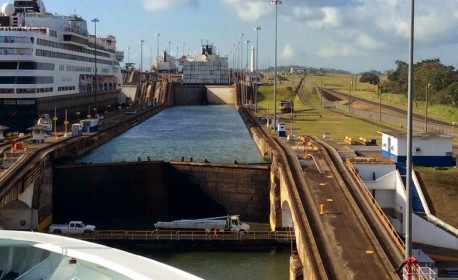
{"x": 440, "y": 188}
{"x": 312, "y": 119}
{"x": 440, "y": 184}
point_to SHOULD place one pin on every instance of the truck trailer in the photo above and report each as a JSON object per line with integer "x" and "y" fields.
{"x": 223, "y": 223}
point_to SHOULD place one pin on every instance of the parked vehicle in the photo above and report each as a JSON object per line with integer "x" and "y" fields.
{"x": 223, "y": 223}
{"x": 73, "y": 227}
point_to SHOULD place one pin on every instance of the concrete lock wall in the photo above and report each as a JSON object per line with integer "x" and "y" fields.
{"x": 203, "y": 95}
{"x": 241, "y": 190}
{"x": 221, "y": 95}
{"x": 159, "y": 190}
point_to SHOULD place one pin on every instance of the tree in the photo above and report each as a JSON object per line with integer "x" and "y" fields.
{"x": 370, "y": 78}
{"x": 452, "y": 93}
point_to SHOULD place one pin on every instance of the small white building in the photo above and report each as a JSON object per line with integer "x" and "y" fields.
{"x": 428, "y": 149}
{"x": 39, "y": 133}
{"x": 2, "y": 128}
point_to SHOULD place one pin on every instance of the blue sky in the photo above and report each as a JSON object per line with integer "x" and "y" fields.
{"x": 352, "y": 35}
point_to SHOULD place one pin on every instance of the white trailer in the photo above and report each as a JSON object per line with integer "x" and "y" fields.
{"x": 223, "y": 223}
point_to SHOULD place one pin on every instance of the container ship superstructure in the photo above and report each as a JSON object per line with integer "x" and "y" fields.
{"x": 50, "y": 64}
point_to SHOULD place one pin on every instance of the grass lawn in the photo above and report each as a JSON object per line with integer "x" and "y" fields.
{"x": 441, "y": 188}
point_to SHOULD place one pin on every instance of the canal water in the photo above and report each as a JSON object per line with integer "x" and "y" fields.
{"x": 215, "y": 133}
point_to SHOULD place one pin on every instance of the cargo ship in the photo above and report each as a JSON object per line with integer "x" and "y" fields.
{"x": 50, "y": 64}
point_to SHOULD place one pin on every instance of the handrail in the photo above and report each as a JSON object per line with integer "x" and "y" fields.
{"x": 186, "y": 235}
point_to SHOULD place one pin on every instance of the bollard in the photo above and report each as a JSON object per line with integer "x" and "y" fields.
{"x": 321, "y": 208}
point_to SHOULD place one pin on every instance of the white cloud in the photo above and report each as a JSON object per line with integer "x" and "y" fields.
{"x": 155, "y": 5}
{"x": 250, "y": 10}
{"x": 364, "y": 41}
{"x": 334, "y": 50}
{"x": 330, "y": 19}
{"x": 287, "y": 52}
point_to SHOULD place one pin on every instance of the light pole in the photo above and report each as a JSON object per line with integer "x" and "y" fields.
{"x": 276, "y": 3}
{"x": 246, "y": 70}
{"x": 349, "y": 99}
{"x": 141, "y": 56}
{"x": 247, "y": 54}
{"x": 128, "y": 55}
{"x": 95, "y": 20}
{"x": 426, "y": 107}
{"x": 258, "y": 28}
{"x": 157, "y": 55}
{"x": 380, "y": 101}
{"x": 241, "y": 53}
{"x": 409, "y": 192}
{"x": 183, "y": 49}
{"x": 169, "y": 46}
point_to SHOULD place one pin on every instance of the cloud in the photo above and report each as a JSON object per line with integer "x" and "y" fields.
{"x": 156, "y": 5}
{"x": 331, "y": 18}
{"x": 250, "y": 10}
{"x": 287, "y": 52}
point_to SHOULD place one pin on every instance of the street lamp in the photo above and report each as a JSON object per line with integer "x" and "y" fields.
{"x": 128, "y": 55}
{"x": 169, "y": 46}
{"x": 141, "y": 56}
{"x": 157, "y": 55}
{"x": 426, "y": 107}
{"x": 409, "y": 167}
{"x": 349, "y": 99}
{"x": 380, "y": 101}
{"x": 276, "y": 3}
{"x": 95, "y": 20}
{"x": 247, "y": 54}
{"x": 246, "y": 69}
{"x": 241, "y": 53}
{"x": 258, "y": 28}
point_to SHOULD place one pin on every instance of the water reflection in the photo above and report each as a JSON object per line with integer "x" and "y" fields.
{"x": 215, "y": 133}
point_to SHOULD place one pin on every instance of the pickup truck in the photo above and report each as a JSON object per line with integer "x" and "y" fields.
{"x": 73, "y": 227}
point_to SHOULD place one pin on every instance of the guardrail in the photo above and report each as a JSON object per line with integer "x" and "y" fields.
{"x": 184, "y": 235}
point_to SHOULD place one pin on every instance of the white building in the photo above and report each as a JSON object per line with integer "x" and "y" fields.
{"x": 428, "y": 149}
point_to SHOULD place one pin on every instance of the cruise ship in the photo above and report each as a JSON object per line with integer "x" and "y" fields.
{"x": 50, "y": 64}
{"x": 35, "y": 255}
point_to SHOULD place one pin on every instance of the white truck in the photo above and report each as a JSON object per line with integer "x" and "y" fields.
{"x": 73, "y": 227}
{"x": 223, "y": 223}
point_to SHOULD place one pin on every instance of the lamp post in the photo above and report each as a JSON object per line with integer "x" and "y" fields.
{"x": 247, "y": 54}
{"x": 258, "y": 28}
{"x": 409, "y": 192}
{"x": 141, "y": 56}
{"x": 380, "y": 101}
{"x": 426, "y": 107}
{"x": 246, "y": 70}
{"x": 241, "y": 53}
{"x": 169, "y": 46}
{"x": 157, "y": 39}
{"x": 95, "y": 20}
{"x": 276, "y": 3}
{"x": 128, "y": 55}
{"x": 349, "y": 99}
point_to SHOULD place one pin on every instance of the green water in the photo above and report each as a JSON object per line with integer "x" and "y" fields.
{"x": 227, "y": 264}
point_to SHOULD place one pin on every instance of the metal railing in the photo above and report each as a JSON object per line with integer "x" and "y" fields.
{"x": 186, "y": 235}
